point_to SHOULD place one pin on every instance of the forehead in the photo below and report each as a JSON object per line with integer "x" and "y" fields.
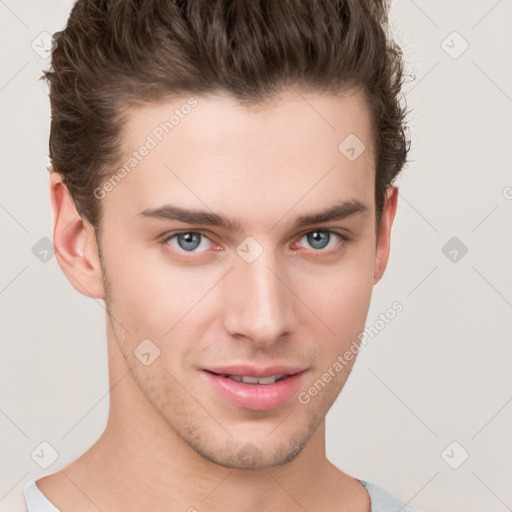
{"x": 220, "y": 122}
{"x": 212, "y": 150}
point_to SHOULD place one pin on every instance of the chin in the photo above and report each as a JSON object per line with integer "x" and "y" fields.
{"x": 255, "y": 454}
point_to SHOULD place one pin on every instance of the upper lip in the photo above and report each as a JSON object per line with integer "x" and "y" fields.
{"x": 246, "y": 370}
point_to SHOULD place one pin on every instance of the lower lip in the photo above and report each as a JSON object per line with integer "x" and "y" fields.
{"x": 257, "y": 397}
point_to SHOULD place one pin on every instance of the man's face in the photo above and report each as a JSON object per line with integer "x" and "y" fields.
{"x": 271, "y": 296}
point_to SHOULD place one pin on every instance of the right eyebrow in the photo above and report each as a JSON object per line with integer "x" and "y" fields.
{"x": 190, "y": 216}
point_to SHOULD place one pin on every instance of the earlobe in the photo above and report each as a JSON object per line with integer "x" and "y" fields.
{"x": 75, "y": 244}
{"x": 384, "y": 234}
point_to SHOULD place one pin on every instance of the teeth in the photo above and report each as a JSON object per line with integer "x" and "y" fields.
{"x": 270, "y": 380}
{"x": 256, "y": 380}
{"x": 250, "y": 380}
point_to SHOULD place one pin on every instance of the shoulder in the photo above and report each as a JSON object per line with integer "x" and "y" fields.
{"x": 382, "y": 501}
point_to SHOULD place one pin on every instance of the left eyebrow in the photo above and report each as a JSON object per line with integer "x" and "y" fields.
{"x": 339, "y": 211}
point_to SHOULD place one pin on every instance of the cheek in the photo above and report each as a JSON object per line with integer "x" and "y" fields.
{"x": 340, "y": 296}
{"x": 153, "y": 296}
{"x": 343, "y": 304}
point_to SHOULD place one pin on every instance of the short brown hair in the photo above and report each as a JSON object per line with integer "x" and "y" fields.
{"x": 116, "y": 53}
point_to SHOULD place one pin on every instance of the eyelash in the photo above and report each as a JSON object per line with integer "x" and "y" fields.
{"x": 319, "y": 252}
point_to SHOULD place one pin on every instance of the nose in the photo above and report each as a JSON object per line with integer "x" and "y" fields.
{"x": 259, "y": 302}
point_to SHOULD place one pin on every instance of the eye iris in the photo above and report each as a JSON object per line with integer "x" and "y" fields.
{"x": 318, "y": 239}
{"x": 191, "y": 240}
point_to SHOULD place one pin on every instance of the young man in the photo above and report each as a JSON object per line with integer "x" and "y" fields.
{"x": 222, "y": 178}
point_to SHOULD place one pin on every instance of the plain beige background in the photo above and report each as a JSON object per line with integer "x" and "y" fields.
{"x": 427, "y": 411}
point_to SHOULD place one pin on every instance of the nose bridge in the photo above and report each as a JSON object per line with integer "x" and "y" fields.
{"x": 260, "y": 305}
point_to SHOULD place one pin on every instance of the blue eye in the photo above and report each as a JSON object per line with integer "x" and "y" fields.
{"x": 320, "y": 238}
{"x": 187, "y": 241}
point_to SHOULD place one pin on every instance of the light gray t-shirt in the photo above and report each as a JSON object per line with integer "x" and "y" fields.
{"x": 380, "y": 500}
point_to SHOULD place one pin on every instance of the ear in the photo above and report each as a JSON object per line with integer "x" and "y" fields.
{"x": 384, "y": 234}
{"x": 75, "y": 245}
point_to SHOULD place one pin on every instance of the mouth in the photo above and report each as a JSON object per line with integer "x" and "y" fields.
{"x": 255, "y": 389}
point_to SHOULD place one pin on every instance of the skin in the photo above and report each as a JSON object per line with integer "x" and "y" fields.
{"x": 172, "y": 442}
